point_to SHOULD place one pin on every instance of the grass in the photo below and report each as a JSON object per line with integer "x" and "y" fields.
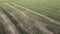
{"x": 31, "y": 16}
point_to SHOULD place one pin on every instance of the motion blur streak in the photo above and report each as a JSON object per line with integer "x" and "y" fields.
{"x": 29, "y": 17}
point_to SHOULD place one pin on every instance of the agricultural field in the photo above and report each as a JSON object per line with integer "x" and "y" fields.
{"x": 29, "y": 16}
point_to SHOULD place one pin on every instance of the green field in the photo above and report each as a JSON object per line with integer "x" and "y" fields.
{"x": 30, "y": 16}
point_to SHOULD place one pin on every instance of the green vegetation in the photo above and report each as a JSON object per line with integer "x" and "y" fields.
{"x": 30, "y": 16}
